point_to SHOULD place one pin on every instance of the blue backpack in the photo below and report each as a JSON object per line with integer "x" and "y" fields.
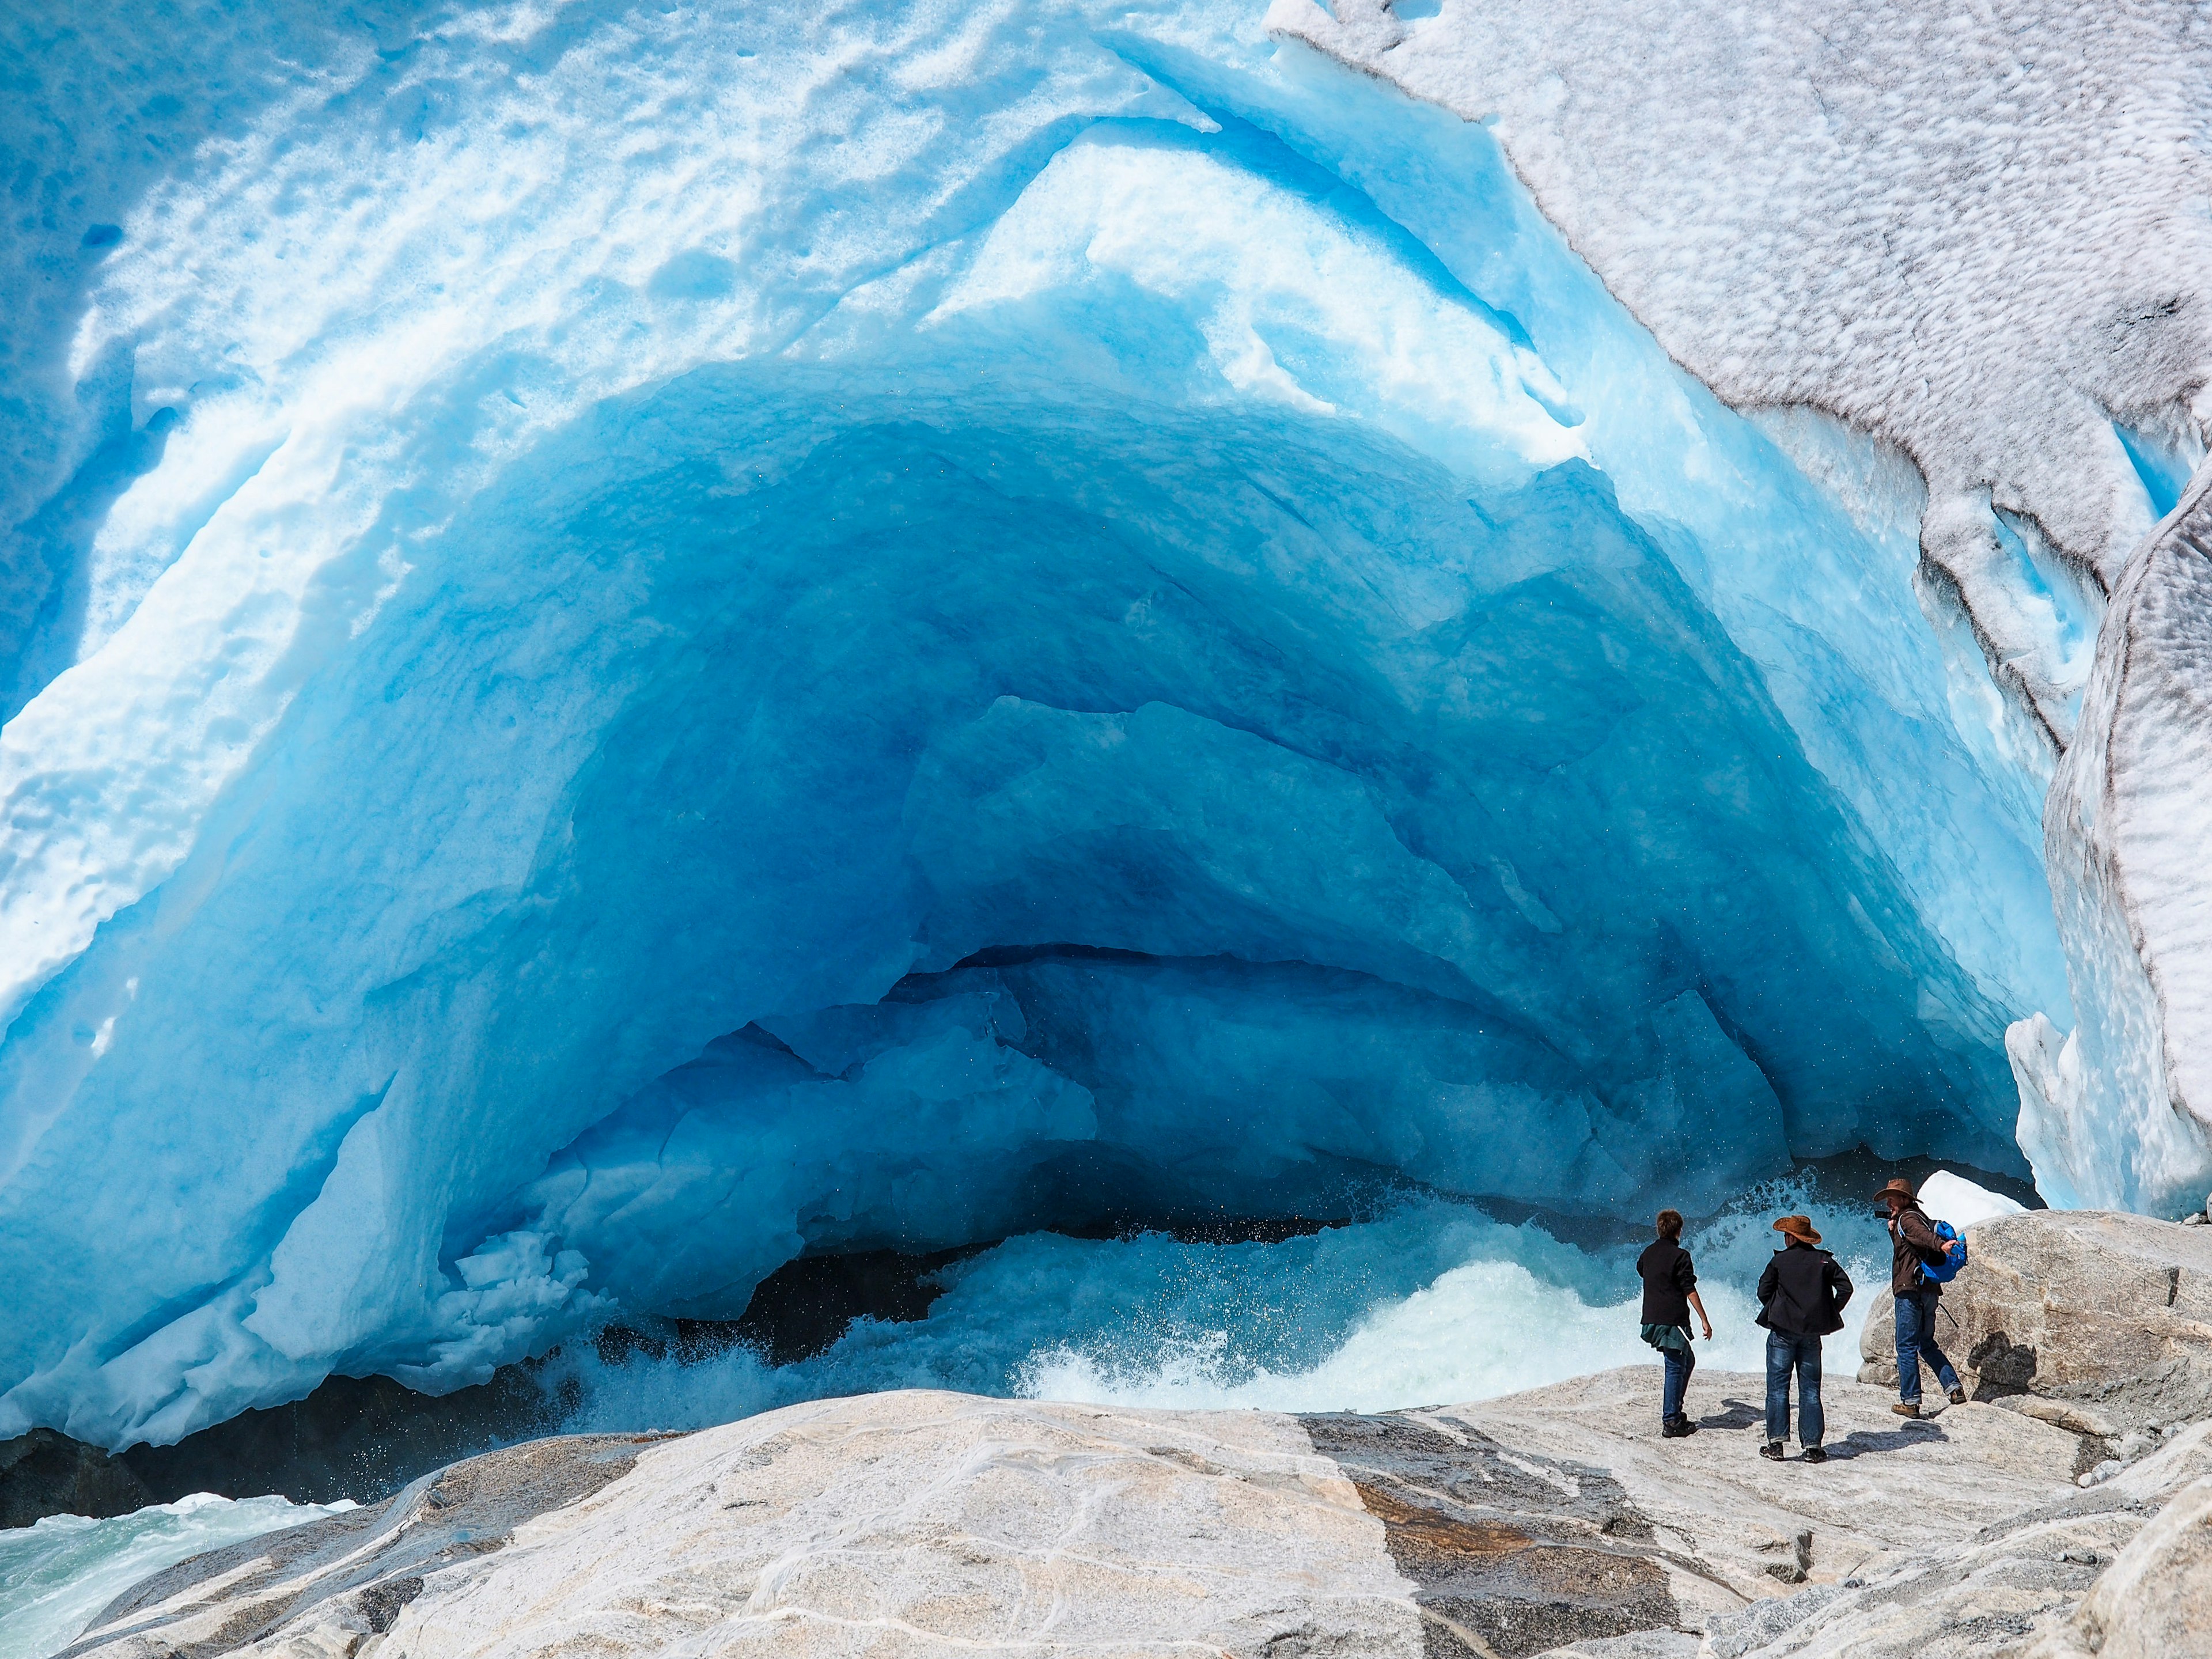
{"x": 1946, "y": 1269}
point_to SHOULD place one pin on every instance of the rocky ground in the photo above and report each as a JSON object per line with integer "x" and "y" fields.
{"x": 1555, "y": 1521}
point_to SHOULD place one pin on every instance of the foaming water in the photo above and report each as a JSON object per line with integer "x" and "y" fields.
{"x": 1432, "y": 1302}
{"x": 57, "y": 1575}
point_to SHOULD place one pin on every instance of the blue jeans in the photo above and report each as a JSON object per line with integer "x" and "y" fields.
{"x": 1681, "y": 1362}
{"x": 1804, "y": 1352}
{"x": 1916, "y": 1342}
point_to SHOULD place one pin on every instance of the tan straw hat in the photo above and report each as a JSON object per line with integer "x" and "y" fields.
{"x": 1798, "y": 1226}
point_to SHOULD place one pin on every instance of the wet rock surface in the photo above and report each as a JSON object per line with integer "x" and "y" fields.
{"x": 43, "y": 1473}
{"x": 342, "y": 1579}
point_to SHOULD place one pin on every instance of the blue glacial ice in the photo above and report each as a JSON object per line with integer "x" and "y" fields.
{"x": 647, "y": 640}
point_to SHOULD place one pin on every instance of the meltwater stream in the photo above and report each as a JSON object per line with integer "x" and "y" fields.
{"x": 1427, "y": 1301}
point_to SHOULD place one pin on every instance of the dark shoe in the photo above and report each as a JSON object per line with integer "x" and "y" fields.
{"x": 1676, "y": 1428}
{"x": 1816, "y": 1455}
{"x": 1906, "y": 1409}
{"x": 1957, "y": 1396}
{"x": 1772, "y": 1448}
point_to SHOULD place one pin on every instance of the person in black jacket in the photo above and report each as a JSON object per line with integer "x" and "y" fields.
{"x": 1670, "y": 1291}
{"x": 1801, "y": 1299}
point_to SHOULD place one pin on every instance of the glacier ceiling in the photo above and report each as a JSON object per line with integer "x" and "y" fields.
{"x": 644, "y": 639}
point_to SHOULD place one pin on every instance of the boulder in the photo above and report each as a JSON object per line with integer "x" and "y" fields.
{"x": 2094, "y": 1321}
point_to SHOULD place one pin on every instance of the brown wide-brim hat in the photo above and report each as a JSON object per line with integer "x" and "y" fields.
{"x": 1798, "y": 1226}
{"x": 1901, "y": 1188}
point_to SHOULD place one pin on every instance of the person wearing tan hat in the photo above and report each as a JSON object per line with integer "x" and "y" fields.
{"x": 1801, "y": 1299}
{"x": 1913, "y": 1241}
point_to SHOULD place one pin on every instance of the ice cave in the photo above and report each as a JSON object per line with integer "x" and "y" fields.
{"x": 1242, "y": 675}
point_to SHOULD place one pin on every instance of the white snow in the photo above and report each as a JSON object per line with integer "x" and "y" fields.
{"x": 2119, "y": 1112}
{"x": 1961, "y": 1202}
{"x": 1978, "y": 232}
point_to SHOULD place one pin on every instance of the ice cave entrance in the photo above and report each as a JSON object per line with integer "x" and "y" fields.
{"x": 1238, "y": 689}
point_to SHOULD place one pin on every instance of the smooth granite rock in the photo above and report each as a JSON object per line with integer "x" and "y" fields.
{"x": 2156, "y": 1600}
{"x": 2098, "y": 1321}
{"x": 1554, "y": 1522}
{"x": 2123, "y": 1566}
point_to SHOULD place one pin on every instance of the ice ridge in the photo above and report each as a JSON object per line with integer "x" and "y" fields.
{"x": 2117, "y": 1113}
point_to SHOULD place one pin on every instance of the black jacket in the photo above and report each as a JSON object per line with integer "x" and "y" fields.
{"x": 1802, "y": 1292}
{"x": 1667, "y": 1282}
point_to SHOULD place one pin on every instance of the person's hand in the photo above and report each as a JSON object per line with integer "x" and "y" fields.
{"x": 1709, "y": 1328}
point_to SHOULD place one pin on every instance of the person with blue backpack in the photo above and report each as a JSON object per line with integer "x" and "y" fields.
{"x": 1923, "y": 1254}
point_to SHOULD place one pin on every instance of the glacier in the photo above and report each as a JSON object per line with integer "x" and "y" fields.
{"x": 1980, "y": 237}
{"x": 643, "y": 641}
{"x": 2120, "y": 1107}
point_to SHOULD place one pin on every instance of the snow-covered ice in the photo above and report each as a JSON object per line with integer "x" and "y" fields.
{"x": 1961, "y": 1202}
{"x": 2117, "y": 1113}
{"x": 644, "y": 639}
{"x": 1977, "y": 233}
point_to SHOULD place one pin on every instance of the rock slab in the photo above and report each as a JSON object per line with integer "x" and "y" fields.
{"x": 1555, "y": 1523}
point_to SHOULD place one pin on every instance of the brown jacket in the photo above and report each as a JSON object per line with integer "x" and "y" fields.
{"x": 1912, "y": 1242}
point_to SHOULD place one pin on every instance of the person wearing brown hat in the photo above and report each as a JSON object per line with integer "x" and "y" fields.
{"x": 1912, "y": 1242}
{"x": 1801, "y": 1299}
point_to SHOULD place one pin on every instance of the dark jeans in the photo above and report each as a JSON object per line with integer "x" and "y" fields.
{"x": 1784, "y": 1351}
{"x": 1916, "y": 1342}
{"x": 1681, "y": 1362}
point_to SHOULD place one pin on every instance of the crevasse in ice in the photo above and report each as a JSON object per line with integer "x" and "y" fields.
{"x": 649, "y": 639}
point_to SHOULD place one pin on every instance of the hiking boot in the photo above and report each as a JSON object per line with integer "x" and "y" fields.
{"x": 1906, "y": 1409}
{"x": 1675, "y": 1428}
{"x": 1773, "y": 1449}
{"x": 1957, "y": 1396}
{"x": 1816, "y": 1455}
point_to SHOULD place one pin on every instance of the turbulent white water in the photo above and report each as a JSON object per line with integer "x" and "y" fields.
{"x": 55, "y": 1575}
{"x": 1431, "y": 1303}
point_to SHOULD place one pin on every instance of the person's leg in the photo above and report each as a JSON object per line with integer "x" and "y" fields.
{"x": 1930, "y": 1303}
{"x": 1689, "y": 1370}
{"x": 1678, "y": 1380}
{"x": 1811, "y": 1421}
{"x": 1908, "y": 1349}
{"x": 1779, "y": 1356}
